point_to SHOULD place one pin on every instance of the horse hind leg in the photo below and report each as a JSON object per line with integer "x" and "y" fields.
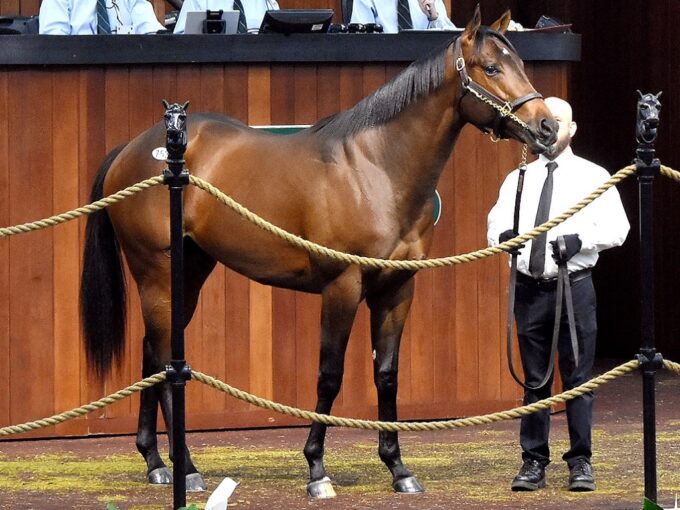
{"x": 388, "y": 314}
{"x": 147, "y": 443}
{"x": 340, "y": 300}
{"x": 156, "y": 310}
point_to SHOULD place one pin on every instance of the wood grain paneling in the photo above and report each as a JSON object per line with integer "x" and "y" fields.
{"x": 256, "y": 338}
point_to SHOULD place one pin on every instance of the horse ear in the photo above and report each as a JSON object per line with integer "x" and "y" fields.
{"x": 657, "y": 96}
{"x": 471, "y": 29}
{"x": 185, "y": 106}
{"x": 639, "y": 93}
{"x": 501, "y": 24}
{"x": 166, "y": 104}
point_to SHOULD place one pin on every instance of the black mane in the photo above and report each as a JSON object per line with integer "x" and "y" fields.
{"x": 417, "y": 80}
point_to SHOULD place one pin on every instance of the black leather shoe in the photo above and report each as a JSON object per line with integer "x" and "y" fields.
{"x": 531, "y": 476}
{"x": 581, "y": 477}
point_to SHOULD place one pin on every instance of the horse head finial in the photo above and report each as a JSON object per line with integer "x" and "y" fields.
{"x": 648, "y": 116}
{"x": 176, "y": 129}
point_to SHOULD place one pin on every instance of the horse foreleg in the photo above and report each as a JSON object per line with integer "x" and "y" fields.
{"x": 388, "y": 314}
{"x": 147, "y": 444}
{"x": 340, "y": 300}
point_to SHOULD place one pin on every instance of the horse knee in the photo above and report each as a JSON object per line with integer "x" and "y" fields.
{"x": 328, "y": 384}
{"x": 386, "y": 382}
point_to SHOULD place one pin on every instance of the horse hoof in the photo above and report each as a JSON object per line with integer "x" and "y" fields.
{"x": 160, "y": 476}
{"x": 195, "y": 483}
{"x": 321, "y": 489}
{"x": 408, "y": 485}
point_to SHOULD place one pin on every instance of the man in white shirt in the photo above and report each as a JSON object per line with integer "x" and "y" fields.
{"x": 600, "y": 225}
{"x": 79, "y": 17}
{"x": 252, "y": 9}
{"x": 424, "y": 14}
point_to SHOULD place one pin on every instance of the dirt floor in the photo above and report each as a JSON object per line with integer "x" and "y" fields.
{"x": 461, "y": 469}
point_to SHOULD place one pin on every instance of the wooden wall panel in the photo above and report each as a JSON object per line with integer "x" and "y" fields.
{"x": 259, "y": 339}
{"x": 31, "y": 270}
{"x": 5, "y": 184}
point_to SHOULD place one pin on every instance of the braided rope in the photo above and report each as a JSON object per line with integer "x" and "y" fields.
{"x": 670, "y": 173}
{"x": 87, "y": 408}
{"x": 409, "y": 265}
{"x": 672, "y": 366}
{"x": 419, "y": 426}
{"x": 335, "y": 420}
{"x": 81, "y": 211}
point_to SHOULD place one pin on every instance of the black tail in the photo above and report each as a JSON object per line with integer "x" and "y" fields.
{"x": 102, "y": 285}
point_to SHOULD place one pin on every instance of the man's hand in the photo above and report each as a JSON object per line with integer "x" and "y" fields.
{"x": 428, "y": 7}
{"x": 572, "y": 244}
{"x": 506, "y": 236}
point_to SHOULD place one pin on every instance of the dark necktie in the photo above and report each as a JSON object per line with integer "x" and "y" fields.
{"x": 404, "y": 15}
{"x": 537, "y": 256}
{"x": 103, "y": 25}
{"x": 242, "y": 25}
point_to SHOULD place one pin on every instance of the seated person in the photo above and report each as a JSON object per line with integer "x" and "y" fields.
{"x": 252, "y": 9}
{"x": 424, "y": 14}
{"x": 79, "y": 17}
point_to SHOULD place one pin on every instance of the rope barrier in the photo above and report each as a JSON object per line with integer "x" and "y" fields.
{"x": 87, "y": 408}
{"x": 81, "y": 211}
{"x": 411, "y": 265}
{"x": 355, "y": 259}
{"x": 326, "y": 419}
{"x": 511, "y": 414}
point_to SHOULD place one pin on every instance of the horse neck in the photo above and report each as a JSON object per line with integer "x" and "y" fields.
{"x": 421, "y": 137}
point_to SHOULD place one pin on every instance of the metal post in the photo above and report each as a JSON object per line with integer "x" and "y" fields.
{"x": 178, "y": 372}
{"x": 648, "y": 166}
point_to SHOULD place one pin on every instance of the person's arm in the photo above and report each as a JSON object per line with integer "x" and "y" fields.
{"x": 54, "y": 18}
{"x": 609, "y": 224}
{"x": 144, "y": 18}
{"x": 363, "y": 11}
{"x": 501, "y": 215}
{"x": 435, "y": 10}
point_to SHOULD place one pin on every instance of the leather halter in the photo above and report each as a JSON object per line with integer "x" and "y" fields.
{"x": 503, "y": 108}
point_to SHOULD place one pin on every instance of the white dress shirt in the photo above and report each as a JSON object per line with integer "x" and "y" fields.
{"x": 79, "y": 17}
{"x": 384, "y": 12}
{"x": 600, "y": 225}
{"x": 252, "y": 9}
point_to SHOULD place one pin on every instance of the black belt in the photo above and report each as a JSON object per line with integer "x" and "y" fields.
{"x": 551, "y": 283}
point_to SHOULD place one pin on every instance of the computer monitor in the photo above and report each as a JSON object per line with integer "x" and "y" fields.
{"x": 195, "y": 19}
{"x": 296, "y": 21}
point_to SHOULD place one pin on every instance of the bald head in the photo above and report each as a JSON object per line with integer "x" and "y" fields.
{"x": 562, "y": 112}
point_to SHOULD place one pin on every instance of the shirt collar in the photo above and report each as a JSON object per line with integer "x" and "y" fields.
{"x": 562, "y": 158}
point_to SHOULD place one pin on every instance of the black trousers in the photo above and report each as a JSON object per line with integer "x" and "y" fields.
{"x": 535, "y": 314}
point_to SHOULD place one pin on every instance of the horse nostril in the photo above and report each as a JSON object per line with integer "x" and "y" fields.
{"x": 548, "y": 128}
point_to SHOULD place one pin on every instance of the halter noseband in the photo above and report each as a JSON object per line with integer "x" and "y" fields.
{"x": 504, "y": 108}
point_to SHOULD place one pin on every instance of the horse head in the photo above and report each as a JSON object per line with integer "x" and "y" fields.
{"x": 496, "y": 92}
{"x": 175, "y": 125}
{"x": 648, "y": 111}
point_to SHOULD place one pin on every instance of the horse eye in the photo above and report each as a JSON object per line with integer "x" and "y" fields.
{"x": 492, "y": 70}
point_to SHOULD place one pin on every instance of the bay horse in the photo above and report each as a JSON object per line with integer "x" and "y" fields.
{"x": 361, "y": 181}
